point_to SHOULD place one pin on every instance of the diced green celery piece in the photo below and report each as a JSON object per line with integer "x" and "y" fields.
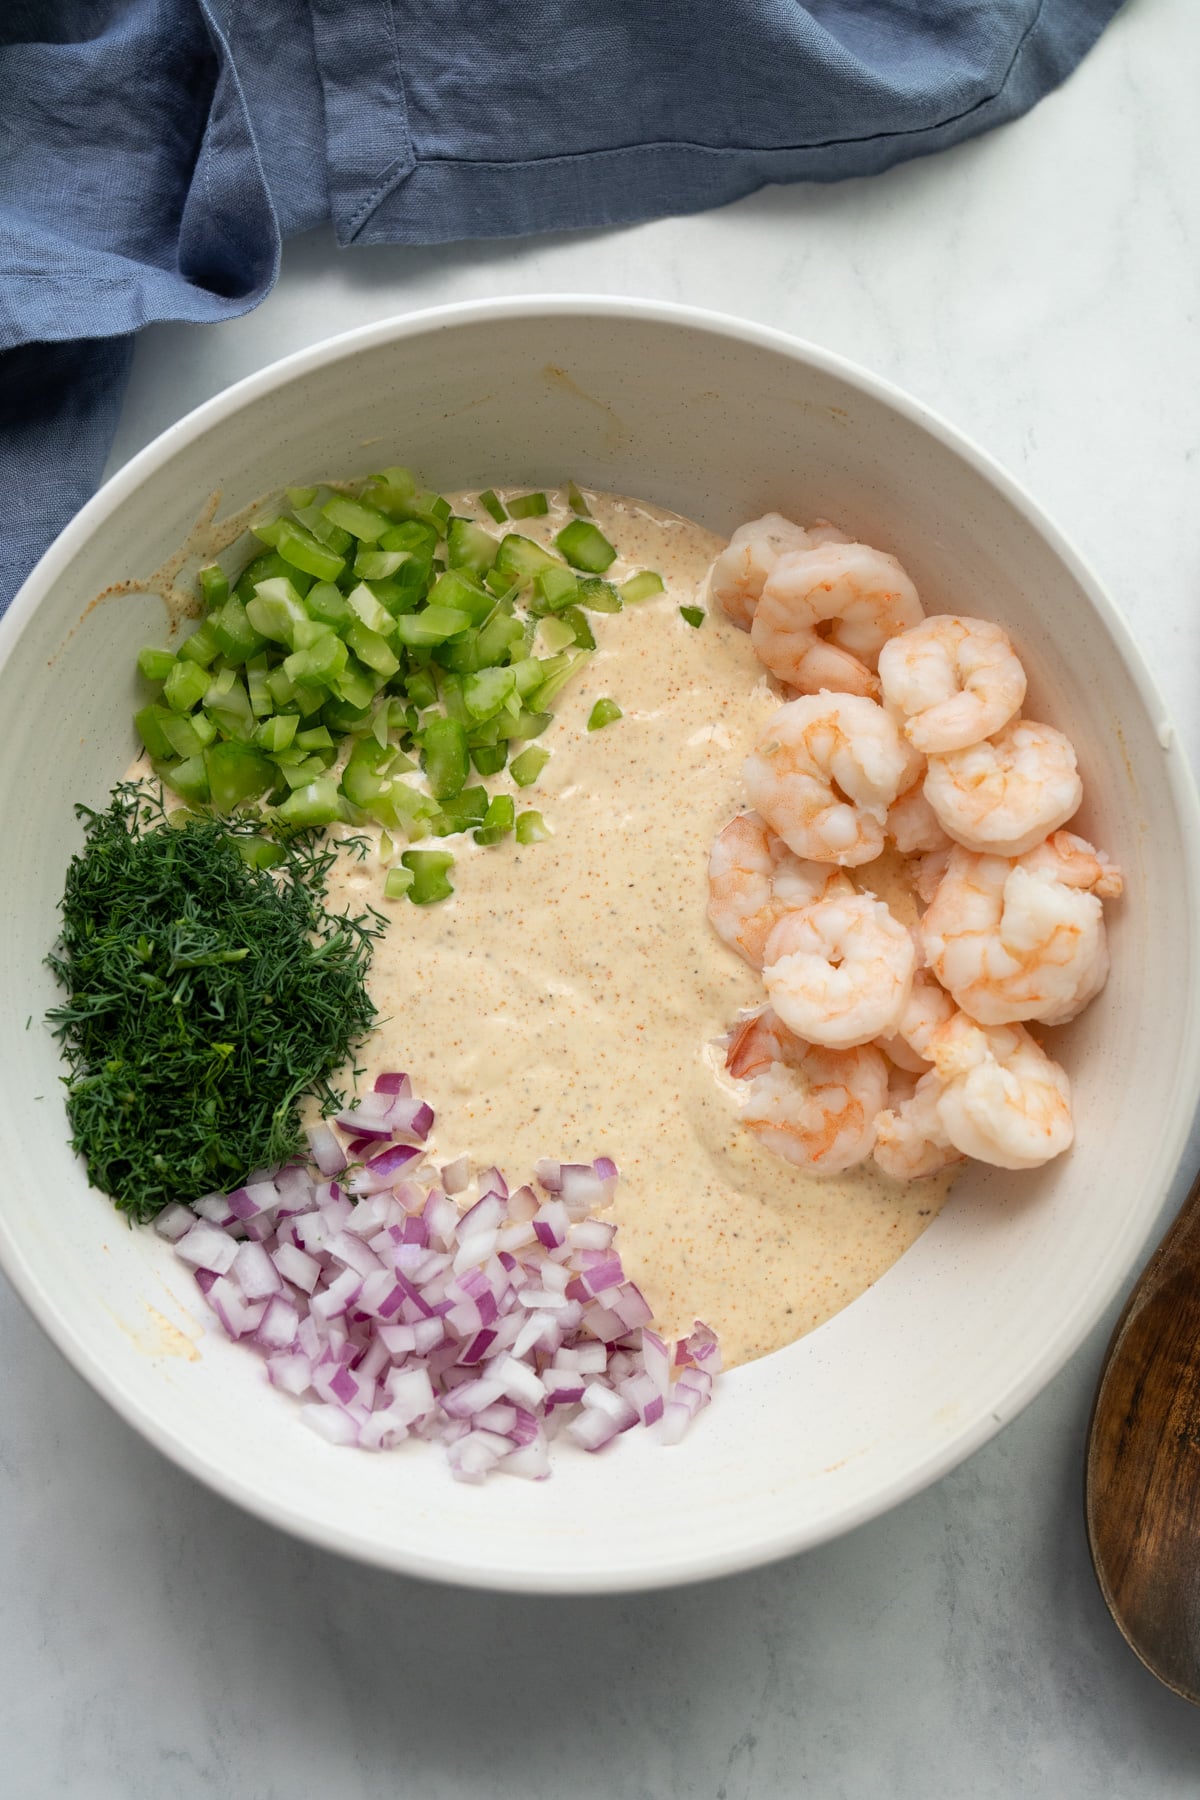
{"x": 150, "y": 722}
{"x": 156, "y": 665}
{"x": 281, "y": 687}
{"x": 411, "y": 809}
{"x": 299, "y": 497}
{"x": 308, "y": 698}
{"x": 231, "y": 627}
{"x": 300, "y": 774}
{"x": 498, "y": 821}
{"x": 521, "y": 557}
{"x": 322, "y": 662}
{"x": 599, "y": 595}
{"x": 492, "y": 503}
{"x": 304, "y": 551}
{"x": 555, "y": 588}
{"x": 266, "y": 530}
{"x": 469, "y": 546}
{"x": 528, "y": 506}
{"x": 185, "y": 686}
{"x": 525, "y": 725}
{"x": 497, "y": 637}
{"x": 431, "y": 872}
{"x": 694, "y": 616}
{"x": 450, "y": 688}
{"x": 311, "y": 631}
{"x": 269, "y": 567}
{"x": 642, "y": 586}
{"x": 261, "y": 700}
{"x": 446, "y": 762}
{"x": 313, "y": 519}
{"x": 554, "y": 634}
{"x": 365, "y": 776}
{"x": 379, "y": 565}
{"x": 532, "y": 828}
{"x": 582, "y": 631}
{"x": 392, "y": 488}
{"x": 576, "y": 501}
{"x": 489, "y": 759}
{"x": 485, "y": 693}
{"x": 200, "y": 646}
{"x": 526, "y": 768}
{"x": 314, "y": 805}
{"x": 460, "y": 591}
{"x": 188, "y": 779}
{"x": 460, "y": 811}
{"x": 369, "y": 611}
{"x": 276, "y": 610}
{"x": 396, "y": 883}
{"x": 363, "y": 521}
{"x": 315, "y": 738}
{"x": 356, "y": 684}
{"x": 259, "y": 852}
{"x": 421, "y": 688}
{"x": 530, "y": 672}
{"x": 415, "y": 503}
{"x": 229, "y": 707}
{"x": 460, "y": 654}
{"x": 585, "y": 546}
{"x": 605, "y": 712}
{"x": 373, "y": 650}
{"x": 326, "y": 603}
{"x": 418, "y": 539}
{"x": 502, "y": 583}
{"x": 341, "y": 717}
{"x": 387, "y": 848}
{"x": 277, "y": 732}
{"x": 188, "y": 733}
{"x": 236, "y": 773}
{"x": 404, "y": 591}
{"x": 214, "y": 586}
{"x": 433, "y": 625}
{"x": 293, "y": 756}
{"x": 568, "y": 664}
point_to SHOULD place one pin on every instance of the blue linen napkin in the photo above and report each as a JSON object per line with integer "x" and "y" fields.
{"x": 154, "y": 153}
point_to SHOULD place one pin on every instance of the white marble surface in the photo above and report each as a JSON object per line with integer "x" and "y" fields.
{"x": 1040, "y": 288}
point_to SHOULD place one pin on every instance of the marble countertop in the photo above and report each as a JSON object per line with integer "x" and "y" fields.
{"x": 1040, "y": 287}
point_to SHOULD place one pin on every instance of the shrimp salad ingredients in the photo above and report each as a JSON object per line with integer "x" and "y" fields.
{"x": 906, "y": 1042}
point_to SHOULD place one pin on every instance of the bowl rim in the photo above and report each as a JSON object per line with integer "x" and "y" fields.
{"x": 1070, "y": 1330}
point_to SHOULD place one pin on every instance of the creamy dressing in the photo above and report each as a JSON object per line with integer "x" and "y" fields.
{"x": 572, "y": 1000}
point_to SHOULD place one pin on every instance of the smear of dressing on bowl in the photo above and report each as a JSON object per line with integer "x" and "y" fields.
{"x": 571, "y": 1000}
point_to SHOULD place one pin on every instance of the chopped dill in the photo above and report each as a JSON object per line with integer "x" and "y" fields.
{"x": 206, "y": 997}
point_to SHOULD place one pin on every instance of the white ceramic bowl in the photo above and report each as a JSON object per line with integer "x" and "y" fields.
{"x": 720, "y": 420}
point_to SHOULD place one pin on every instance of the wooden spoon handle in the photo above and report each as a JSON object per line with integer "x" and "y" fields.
{"x": 1143, "y": 1462}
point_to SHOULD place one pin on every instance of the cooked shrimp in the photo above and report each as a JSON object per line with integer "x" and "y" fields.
{"x": 1002, "y": 1099}
{"x": 738, "y": 574}
{"x": 912, "y": 823}
{"x": 953, "y": 680}
{"x": 910, "y": 1139}
{"x": 862, "y": 594}
{"x": 1021, "y": 938}
{"x": 824, "y": 531}
{"x": 818, "y": 1108}
{"x": 758, "y": 1042}
{"x": 1006, "y": 794}
{"x": 753, "y": 879}
{"x": 839, "y": 972}
{"x": 825, "y": 773}
{"x": 928, "y": 1006}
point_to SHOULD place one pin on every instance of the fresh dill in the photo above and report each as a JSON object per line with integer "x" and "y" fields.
{"x": 206, "y": 997}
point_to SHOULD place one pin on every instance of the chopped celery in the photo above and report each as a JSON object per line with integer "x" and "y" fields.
{"x": 640, "y": 587}
{"x": 236, "y": 773}
{"x": 262, "y": 702}
{"x": 228, "y": 706}
{"x": 459, "y": 591}
{"x": 418, "y": 539}
{"x": 185, "y": 686}
{"x": 431, "y": 871}
{"x": 497, "y": 638}
{"x": 300, "y": 497}
{"x": 489, "y": 759}
{"x": 498, "y": 821}
{"x": 585, "y": 547}
{"x": 372, "y": 649}
{"x": 298, "y": 775}
{"x": 581, "y": 631}
{"x": 368, "y": 610}
{"x": 200, "y": 646}
{"x": 355, "y": 684}
{"x": 555, "y": 588}
{"x": 469, "y": 546}
{"x": 603, "y": 713}
{"x": 558, "y": 671}
{"x": 379, "y": 565}
{"x": 525, "y": 725}
{"x": 526, "y": 768}
{"x": 576, "y": 502}
{"x": 188, "y": 779}
{"x": 316, "y": 804}
{"x": 237, "y": 637}
{"x": 156, "y": 665}
{"x": 315, "y": 738}
{"x": 326, "y": 603}
{"x": 528, "y": 506}
{"x": 304, "y": 551}
{"x": 432, "y": 626}
{"x": 555, "y": 634}
{"x": 397, "y": 882}
{"x": 268, "y": 568}
{"x": 259, "y": 853}
{"x": 521, "y": 557}
{"x": 188, "y": 733}
{"x": 360, "y": 519}
{"x": 492, "y": 503}
{"x": 421, "y": 688}
{"x": 392, "y": 488}
{"x": 532, "y": 828}
{"x": 276, "y": 610}
{"x": 314, "y": 520}
{"x": 151, "y": 722}
{"x": 599, "y": 595}
{"x": 446, "y": 763}
{"x": 485, "y": 693}
{"x": 323, "y": 661}
{"x": 277, "y": 732}
{"x": 214, "y": 586}
{"x": 461, "y": 811}
{"x": 694, "y": 616}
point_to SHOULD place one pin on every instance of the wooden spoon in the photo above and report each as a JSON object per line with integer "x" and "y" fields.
{"x": 1143, "y": 1462}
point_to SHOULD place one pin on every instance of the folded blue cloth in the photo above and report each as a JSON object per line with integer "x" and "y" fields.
{"x": 154, "y": 153}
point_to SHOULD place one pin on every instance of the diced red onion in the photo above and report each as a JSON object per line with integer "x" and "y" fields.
{"x": 457, "y": 1175}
